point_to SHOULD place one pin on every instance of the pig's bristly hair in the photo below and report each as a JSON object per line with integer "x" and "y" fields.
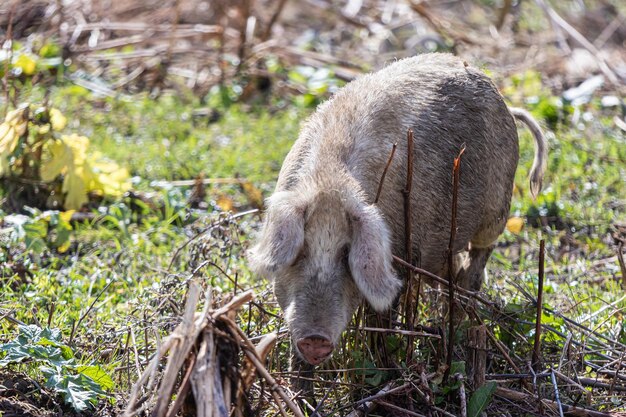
{"x": 370, "y": 260}
{"x": 370, "y": 256}
{"x": 281, "y": 237}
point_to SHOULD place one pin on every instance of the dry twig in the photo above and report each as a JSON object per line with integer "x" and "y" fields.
{"x": 536, "y": 363}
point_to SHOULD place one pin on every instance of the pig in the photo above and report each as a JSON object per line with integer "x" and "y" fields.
{"x": 325, "y": 244}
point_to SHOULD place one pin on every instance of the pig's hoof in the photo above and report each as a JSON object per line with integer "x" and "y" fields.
{"x": 315, "y": 349}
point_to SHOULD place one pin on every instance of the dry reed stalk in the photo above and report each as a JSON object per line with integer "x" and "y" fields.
{"x": 382, "y": 177}
{"x": 196, "y": 328}
{"x": 622, "y": 264}
{"x": 456, "y": 175}
{"x": 517, "y": 396}
{"x": 408, "y": 241}
{"x": 561, "y": 23}
{"x": 250, "y": 351}
{"x": 536, "y": 362}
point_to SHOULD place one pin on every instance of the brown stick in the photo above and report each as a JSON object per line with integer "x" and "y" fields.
{"x": 438, "y": 279}
{"x": 366, "y": 405}
{"x": 537, "y": 347}
{"x": 408, "y": 240}
{"x": 385, "y": 392}
{"x": 400, "y": 409}
{"x": 502, "y": 14}
{"x": 172, "y": 40}
{"x": 183, "y": 390}
{"x": 498, "y": 344}
{"x": 233, "y": 304}
{"x": 250, "y": 351}
{"x": 571, "y": 31}
{"x": 444, "y": 28}
{"x": 609, "y": 30}
{"x": 273, "y": 19}
{"x": 619, "y": 367}
{"x": 520, "y": 396}
{"x": 592, "y": 382}
{"x": 462, "y": 396}
{"x": 622, "y": 264}
{"x": 573, "y": 383}
{"x": 208, "y": 230}
{"x": 382, "y": 177}
{"x": 477, "y": 342}
{"x": 456, "y": 175}
{"x": 243, "y": 34}
{"x": 403, "y": 332}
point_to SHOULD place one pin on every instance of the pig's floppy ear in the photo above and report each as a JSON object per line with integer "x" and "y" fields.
{"x": 281, "y": 237}
{"x": 370, "y": 257}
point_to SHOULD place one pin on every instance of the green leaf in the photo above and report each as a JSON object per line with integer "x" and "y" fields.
{"x": 34, "y": 343}
{"x": 60, "y": 239}
{"x": 376, "y": 379}
{"x": 98, "y": 375}
{"x": 50, "y": 50}
{"x": 51, "y": 334}
{"x": 14, "y": 353}
{"x": 480, "y": 398}
{"x": 30, "y": 333}
{"x": 35, "y": 233}
{"x": 457, "y": 368}
{"x": 79, "y": 391}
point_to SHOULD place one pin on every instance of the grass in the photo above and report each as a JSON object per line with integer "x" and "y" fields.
{"x": 120, "y": 288}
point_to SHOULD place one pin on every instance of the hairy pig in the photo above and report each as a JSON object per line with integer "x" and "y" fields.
{"x": 326, "y": 245}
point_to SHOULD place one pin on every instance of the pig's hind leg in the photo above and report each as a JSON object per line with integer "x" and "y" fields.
{"x": 471, "y": 273}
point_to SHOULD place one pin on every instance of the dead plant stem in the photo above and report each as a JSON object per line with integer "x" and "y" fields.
{"x": 408, "y": 240}
{"x": 536, "y": 363}
{"x": 382, "y": 177}
{"x": 456, "y": 175}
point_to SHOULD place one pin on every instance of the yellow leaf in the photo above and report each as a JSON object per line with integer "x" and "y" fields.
{"x": 79, "y": 145}
{"x": 65, "y": 246}
{"x": 515, "y": 224}
{"x": 116, "y": 183}
{"x": 17, "y": 115}
{"x": 57, "y": 120}
{"x": 18, "y": 120}
{"x": 26, "y": 63}
{"x": 59, "y": 158}
{"x": 225, "y": 202}
{"x": 83, "y": 173}
{"x": 254, "y": 195}
{"x": 74, "y": 189}
{"x": 14, "y": 126}
{"x": 8, "y": 138}
{"x": 66, "y": 216}
{"x": 108, "y": 178}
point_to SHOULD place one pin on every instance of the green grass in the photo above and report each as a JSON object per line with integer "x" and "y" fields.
{"x": 114, "y": 290}
{"x": 162, "y": 139}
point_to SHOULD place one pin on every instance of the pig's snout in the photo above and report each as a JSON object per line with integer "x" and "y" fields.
{"x": 315, "y": 349}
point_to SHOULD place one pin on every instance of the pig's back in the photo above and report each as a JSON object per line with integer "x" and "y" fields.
{"x": 447, "y": 106}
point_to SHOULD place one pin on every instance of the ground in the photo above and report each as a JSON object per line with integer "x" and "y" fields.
{"x": 113, "y": 276}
